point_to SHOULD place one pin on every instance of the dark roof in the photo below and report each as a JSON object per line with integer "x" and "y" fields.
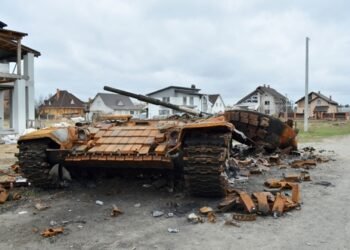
{"x": 213, "y": 98}
{"x": 2, "y": 25}
{"x": 321, "y": 108}
{"x": 272, "y": 91}
{"x": 263, "y": 89}
{"x": 192, "y": 90}
{"x": 63, "y": 99}
{"x": 116, "y": 101}
{"x": 188, "y": 92}
{"x": 8, "y": 45}
{"x": 319, "y": 95}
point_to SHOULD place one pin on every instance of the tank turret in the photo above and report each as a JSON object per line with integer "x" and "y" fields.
{"x": 157, "y": 102}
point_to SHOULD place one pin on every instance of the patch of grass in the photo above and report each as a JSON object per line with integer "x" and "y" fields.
{"x": 322, "y": 129}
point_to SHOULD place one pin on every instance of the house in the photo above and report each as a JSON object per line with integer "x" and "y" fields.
{"x": 62, "y": 104}
{"x": 264, "y": 99}
{"x": 184, "y": 97}
{"x": 116, "y": 104}
{"x": 16, "y": 81}
{"x": 319, "y": 105}
{"x": 217, "y": 104}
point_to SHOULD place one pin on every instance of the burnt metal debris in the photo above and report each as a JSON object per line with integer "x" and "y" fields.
{"x": 196, "y": 149}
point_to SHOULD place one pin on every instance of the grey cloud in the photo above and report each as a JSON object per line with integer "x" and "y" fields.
{"x": 226, "y": 47}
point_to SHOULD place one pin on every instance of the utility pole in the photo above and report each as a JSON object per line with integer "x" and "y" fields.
{"x": 306, "y": 103}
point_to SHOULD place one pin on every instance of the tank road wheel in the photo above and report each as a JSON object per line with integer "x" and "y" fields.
{"x": 205, "y": 155}
{"x": 34, "y": 164}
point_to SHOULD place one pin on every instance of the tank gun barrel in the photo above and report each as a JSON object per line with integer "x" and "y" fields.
{"x": 153, "y": 101}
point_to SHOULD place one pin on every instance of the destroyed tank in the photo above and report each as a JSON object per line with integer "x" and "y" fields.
{"x": 196, "y": 150}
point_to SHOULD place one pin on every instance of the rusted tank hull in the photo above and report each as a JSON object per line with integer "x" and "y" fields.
{"x": 195, "y": 152}
{"x": 261, "y": 130}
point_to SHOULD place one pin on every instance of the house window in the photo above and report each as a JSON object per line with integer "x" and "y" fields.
{"x": 120, "y": 103}
{"x": 166, "y": 99}
{"x": 318, "y": 102}
{"x": 184, "y": 100}
{"x": 164, "y": 112}
{"x": 131, "y": 112}
{"x": 191, "y": 100}
{"x": 267, "y": 102}
{"x": 267, "y": 111}
{"x": 72, "y": 102}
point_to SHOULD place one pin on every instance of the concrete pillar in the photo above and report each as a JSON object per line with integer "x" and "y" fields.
{"x": 28, "y": 70}
{"x": 2, "y": 109}
{"x": 19, "y": 106}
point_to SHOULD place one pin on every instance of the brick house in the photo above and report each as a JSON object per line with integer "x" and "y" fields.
{"x": 319, "y": 105}
{"x": 62, "y": 104}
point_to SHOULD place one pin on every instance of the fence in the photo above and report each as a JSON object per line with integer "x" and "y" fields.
{"x": 323, "y": 116}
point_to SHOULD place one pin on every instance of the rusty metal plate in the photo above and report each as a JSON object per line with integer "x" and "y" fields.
{"x": 263, "y": 205}
{"x": 278, "y": 205}
{"x": 244, "y": 217}
{"x": 247, "y": 201}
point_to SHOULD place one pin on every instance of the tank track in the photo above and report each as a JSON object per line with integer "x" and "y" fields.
{"x": 204, "y": 163}
{"x": 32, "y": 160}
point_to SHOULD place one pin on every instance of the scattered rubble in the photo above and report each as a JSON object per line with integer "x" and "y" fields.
{"x": 193, "y": 218}
{"x": 211, "y": 217}
{"x": 49, "y": 232}
{"x": 173, "y": 230}
{"x": 206, "y": 210}
{"x": 244, "y": 217}
{"x": 170, "y": 215}
{"x": 99, "y": 203}
{"x": 157, "y": 213}
{"x": 231, "y": 223}
{"x": 41, "y": 206}
{"x": 307, "y": 164}
{"x": 116, "y": 211}
{"x": 324, "y": 183}
{"x": 3, "y": 195}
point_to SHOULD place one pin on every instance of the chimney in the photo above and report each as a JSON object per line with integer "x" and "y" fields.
{"x": 264, "y": 85}
{"x": 330, "y": 97}
{"x": 268, "y": 86}
{"x": 57, "y": 94}
{"x": 193, "y": 86}
{"x": 319, "y": 92}
{"x": 2, "y": 25}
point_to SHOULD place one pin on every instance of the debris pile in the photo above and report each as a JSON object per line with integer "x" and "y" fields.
{"x": 12, "y": 178}
{"x": 9, "y": 179}
{"x": 246, "y": 163}
{"x": 279, "y": 195}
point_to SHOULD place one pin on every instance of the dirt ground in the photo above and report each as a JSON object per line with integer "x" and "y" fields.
{"x": 322, "y": 223}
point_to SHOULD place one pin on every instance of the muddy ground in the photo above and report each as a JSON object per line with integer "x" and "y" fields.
{"x": 322, "y": 223}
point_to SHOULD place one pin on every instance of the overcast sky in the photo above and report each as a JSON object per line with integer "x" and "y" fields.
{"x": 224, "y": 47}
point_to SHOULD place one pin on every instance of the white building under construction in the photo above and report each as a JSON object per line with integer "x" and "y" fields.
{"x": 17, "y": 79}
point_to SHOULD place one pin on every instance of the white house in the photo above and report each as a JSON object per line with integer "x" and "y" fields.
{"x": 216, "y": 104}
{"x": 265, "y": 100}
{"x": 183, "y": 97}
{"x": 106, "y": 103}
